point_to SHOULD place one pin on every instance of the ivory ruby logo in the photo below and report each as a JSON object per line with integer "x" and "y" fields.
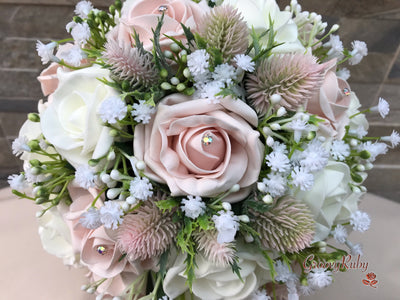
{"x": 370, "y": 281}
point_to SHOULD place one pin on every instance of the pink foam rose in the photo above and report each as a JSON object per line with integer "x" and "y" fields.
{"x": 100, "y": 254}
{"x": 142, "y": 16}
{"x": 81, "y": 201}
{"x": 199, "y": 148}
{"x": 331, "y": 102}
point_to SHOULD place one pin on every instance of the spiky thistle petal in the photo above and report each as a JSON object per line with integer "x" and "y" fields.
{"x": 146, "y": 233}
{"x": 221, "y": 254}
{"x": 224, "y": 29}
{"x": 295, "y": 77}
{"x": 128, "y": 63}
{"x": 287, "y": 227}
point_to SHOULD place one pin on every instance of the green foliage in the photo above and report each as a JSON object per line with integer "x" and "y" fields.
{"x": 168, "y": 204}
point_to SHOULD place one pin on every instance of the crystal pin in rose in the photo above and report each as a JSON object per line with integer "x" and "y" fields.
{"x": 207, "y": 139}
{"x": 162, "y": 8}
{"x": 101, "y": 250}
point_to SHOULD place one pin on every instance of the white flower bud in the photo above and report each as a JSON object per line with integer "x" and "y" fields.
{"x": 356, "y": 189}
{"x": 321, "y": 244}
{"x": 141, "y": 165}
{"x": 368, "y": 166}
{"x": 111, "y": 155}
{"x": 227, "y": 206}
{"x": 335, "y": 27}
{"x": 244, "y": 218}
{"x": 84, "y": 287}
{"x": 111, "y": 184}
{"x": 275, "y": 126}
{"x": 275, "y": 99}
{"x": 270, "y": 141}
{"x": 363, "y": 189}
{"x": 267, "y": 199}
{"x": 115, "y": 174}
{"x": 322, "y": 139}
{"x": 126, "y": 206}
{"x": 235, "y": 188}
{"x": 360, "y": 168}
{"x": 168, "y": 54}
{"x": 105, "y": 178}
{"x": 91, "y": 290}
{"x": 261, "y": 186}
{"x": 267, "y": 131}
{"x": 39, "y": 214}
{"x": 322, "y": 250}
{"x": 353, "y": 143}
{"x": 248, "y": 238}
{"x": 131, "y": 200}
{"x": 99, "y": 297}
{"x": 121, "y": 197}
{"x": 175, "y": 81}
{"x": 113, "y": 193}
{"x": 281, "y": 111}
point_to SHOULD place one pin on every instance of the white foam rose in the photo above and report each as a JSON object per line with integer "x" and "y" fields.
{"x": 56, "y": 237}
{"x": 331, "y": 200}
{"x": 257, "y": 14}
{"x": 216, "y": 282}
{"x": 71, "y": 122}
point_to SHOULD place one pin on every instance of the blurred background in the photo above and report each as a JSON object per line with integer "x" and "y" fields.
{"x": 377, "y": 22}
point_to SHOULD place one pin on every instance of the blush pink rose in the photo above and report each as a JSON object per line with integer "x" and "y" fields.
{"x": 81, "y": 201}
{"x": 142, "y": 16}
{"x": 199, "y": 148}
{"x": 331, "y": 102}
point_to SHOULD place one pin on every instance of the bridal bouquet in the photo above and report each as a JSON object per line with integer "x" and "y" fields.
{"x": 199, "y": 150}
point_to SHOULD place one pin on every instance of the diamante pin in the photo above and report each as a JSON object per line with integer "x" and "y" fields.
{"x": 207, "y": 139}
{"x": 162, "y": 8}
{"x": 346, "y": 91}
{"x": 101, "y": 250}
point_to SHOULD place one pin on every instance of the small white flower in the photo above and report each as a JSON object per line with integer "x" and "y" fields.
{"x": 18, "y": 182}
{"x": 80, "y": 32}
{"x": 83, "y": 8}
{"x": 112, "y": 109}
{"x": 111, "y": 214}
{"x": 359, "y": 132}
{"x": 210, "y": 91}
{"x": 91, "y": 218}
{"x": 306, "y": 290}
{"x": 359, "y": 51}
{"x": 46, "y": 51}
{"x": 73, "y": 56}
{"x": 336, "y": 46}
{"x": 319, "y": 278}
{"x": 394, "y": 138}
{"x": 244, "y": 62}
{"x": 314, "y": 157}
{"x": 340, "y": 233}
{"x": 299, "y": 127}
{"x": 197, "y": 62}
{"x": 19, "y": 145}
{"x": 142, "y": 111}
{"x": 224, "y": 73}
{"x": 340, "y": 150}
{"x": 278, "y": 162}
{"x": 34, "y": 178}
{"x": 141, "y": 188}
{"x": 275, "y": 184}
{"x": 85, "y": 177}
{"x": 279, "y": 147}
{"x": 343, "y": 73}
{"x": 283, "y": 273}
{"x": 357, "y": 249}
{"x": 43, "y": 144}
{"x": 259, "y": 295}
{"x": 374, "y": 149}
{"x": 193, "y": 206}
{"x": 383, "y": 108}
{"x": 227, "y": 224}
{"x": 301, "y": 178}
{"x": 360, "y": 221}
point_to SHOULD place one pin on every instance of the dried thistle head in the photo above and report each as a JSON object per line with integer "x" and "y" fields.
{"x": 295, "y": 77}
{"x": 287, "y": 227}
{"x": 146, "y": 233}
{"x": 224, "y": 29}
{"x": 220, "y": 254}
{"x": 128, "y": 63}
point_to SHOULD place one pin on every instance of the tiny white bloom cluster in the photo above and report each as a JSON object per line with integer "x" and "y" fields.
{"x": 46, "y": 51}
{"x": 85, "y": 177}
{"x": 374, "y": 149}
{"x": 360, "y": 221}
{"x": 111, "y": 214}
{"x": 259, "y": 295}
{"x": 359, "y": 51}
{"x": 73, "y": 56}
{"x": 80, "y": 32}
{"x": 244, "y": 62}
{"x": 193, "y": 206}
{"x": 343, "y": 73}
{"x": 319, "y": 278}
{"x": 198, "y": 63}
{"x": 112, "y": 109}
{"x": 141, "y": 188}
{"x": 340, "y": 233}
{"x": 336, "y": 47}
{"x": 302, "y": 178}
{"x": 394, "y": 138}
{"x": 18, "y": 182}
{"x": 227, "y": 224}
{"x": 142, "y": 111}
{"x": 20, "y": 145}
{"x": 340, "y": 150}
{"x": 83, "y": 8}
{"x": 91, "y": 219}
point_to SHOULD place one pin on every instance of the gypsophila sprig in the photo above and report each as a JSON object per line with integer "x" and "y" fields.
{"x": 181, "y": 147}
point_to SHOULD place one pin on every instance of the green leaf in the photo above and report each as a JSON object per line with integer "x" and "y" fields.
{"x": 236, "y": 269}
{"x": 138, "y": 43}
{"x": 217, "y": 56}
{"x": 167, "y": 204}
{"x": 189, "y": 35}
{"x": 204, "y": 222}
{"x": 163, "y": 262}
{"x": 200, "y": 42}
